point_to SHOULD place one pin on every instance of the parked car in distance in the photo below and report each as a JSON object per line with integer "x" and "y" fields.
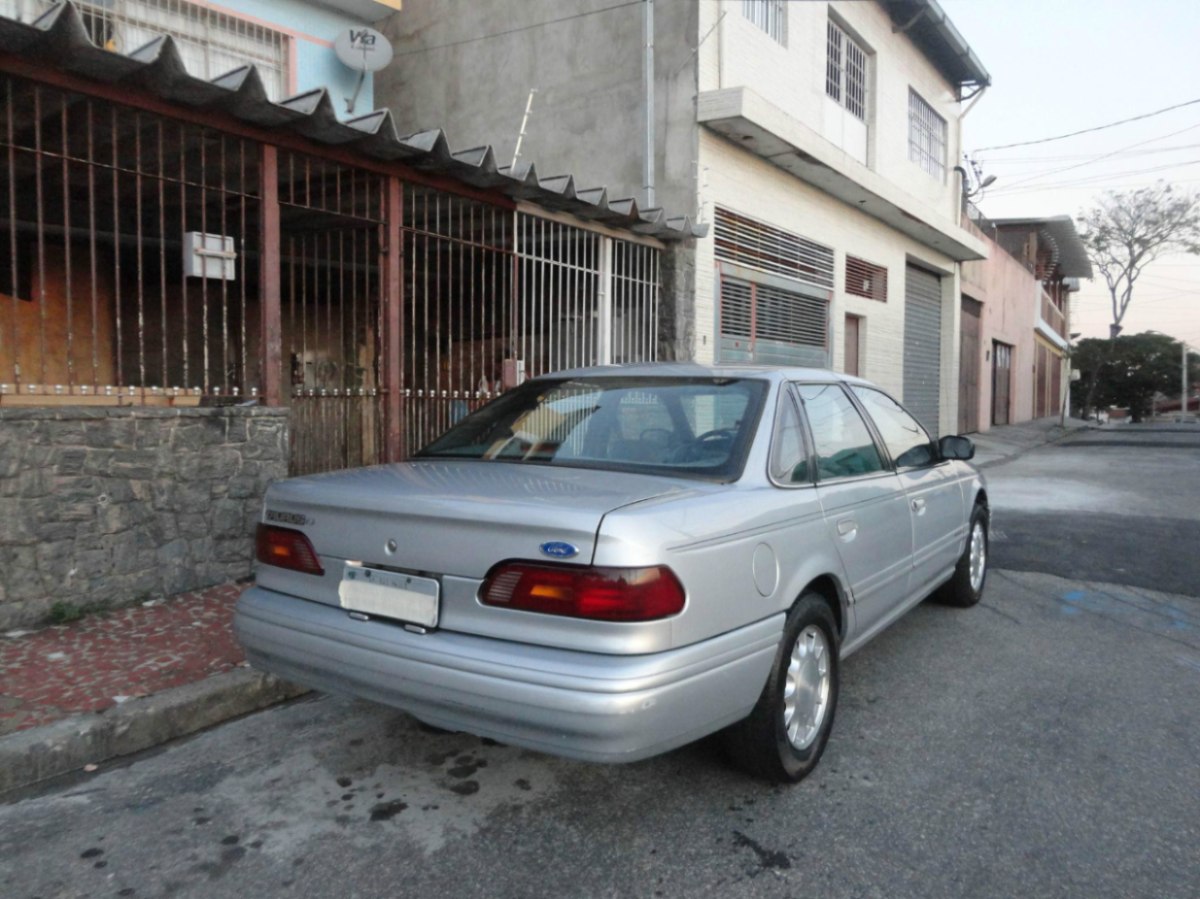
{"x": 609, "y": 563}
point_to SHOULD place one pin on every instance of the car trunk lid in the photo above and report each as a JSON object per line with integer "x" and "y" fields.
{"x": 455, "y": 517}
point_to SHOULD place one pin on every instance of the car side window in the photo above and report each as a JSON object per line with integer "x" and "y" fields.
{"x": 789, "y": 455}
{"x": 843, "y": 442}
{"x": 905, "y": 439}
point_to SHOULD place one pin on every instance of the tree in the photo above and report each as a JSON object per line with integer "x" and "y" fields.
{"x": 1126, "y": 231}
{"x": 1129, "y": 371}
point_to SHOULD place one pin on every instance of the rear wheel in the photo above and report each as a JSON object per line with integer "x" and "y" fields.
{"x": 783, "y": 738}
{"x": 965, "y": 587}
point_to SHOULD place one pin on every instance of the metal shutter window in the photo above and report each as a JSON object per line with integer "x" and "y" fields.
{"x": 767, "y": 324}
{"x": 774, "y": 293}
{"x": 922, "y": 345}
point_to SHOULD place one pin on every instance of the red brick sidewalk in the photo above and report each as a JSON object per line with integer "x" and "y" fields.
{"x": 104, "y": 659}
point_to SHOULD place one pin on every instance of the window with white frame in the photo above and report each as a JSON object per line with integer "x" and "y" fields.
{"x": 210, "y": 41}
{"x": 926, "y": 136}
{"x": 769, "y": 15}
{"x": 846, "y": 71}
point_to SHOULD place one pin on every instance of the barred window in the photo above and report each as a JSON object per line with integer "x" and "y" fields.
{"x": 846, "y": 71}
{"x": 865, "y": 279}
{"x": 926, "y": 136}
{"x": 210, "y": 41}
{"x": 769, "y": 15}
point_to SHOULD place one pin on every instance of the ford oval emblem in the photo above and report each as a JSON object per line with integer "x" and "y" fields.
{"x": 559, "y": 550}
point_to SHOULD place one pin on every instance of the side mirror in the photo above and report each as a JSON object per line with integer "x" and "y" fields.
{"x": 956, "y": 447}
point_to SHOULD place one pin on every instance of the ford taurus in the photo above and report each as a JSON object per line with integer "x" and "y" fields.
{"x": 609, "y": 563}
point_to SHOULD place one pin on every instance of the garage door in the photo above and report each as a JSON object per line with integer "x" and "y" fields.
{"x": 922, "y": 345}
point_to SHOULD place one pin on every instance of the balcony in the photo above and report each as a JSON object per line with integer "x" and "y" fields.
{"x": 1052, "y": 317}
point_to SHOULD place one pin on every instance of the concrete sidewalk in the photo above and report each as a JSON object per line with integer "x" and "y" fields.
{"x": 1002, "y": 443}
{"x": 78, "y": 694}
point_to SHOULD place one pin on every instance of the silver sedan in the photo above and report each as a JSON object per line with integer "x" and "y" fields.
{"x": 609, "y": 563}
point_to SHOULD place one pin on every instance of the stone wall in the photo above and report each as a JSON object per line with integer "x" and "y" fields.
{"x": 104, "y": 506}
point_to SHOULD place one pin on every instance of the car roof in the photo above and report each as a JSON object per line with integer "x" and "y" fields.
{"x": 703, "y": 370}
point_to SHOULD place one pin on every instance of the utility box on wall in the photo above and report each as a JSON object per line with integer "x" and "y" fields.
{"x": 209, "y": 256}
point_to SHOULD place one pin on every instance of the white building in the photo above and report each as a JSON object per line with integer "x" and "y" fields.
{"x": 819, "y": 141}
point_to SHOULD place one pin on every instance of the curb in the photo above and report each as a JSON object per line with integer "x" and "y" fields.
{"x": 30, "y": 756}
{"x": 1049, "y": 436}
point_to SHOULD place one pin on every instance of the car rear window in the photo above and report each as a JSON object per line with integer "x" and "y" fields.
{"x": 691, "y": 427}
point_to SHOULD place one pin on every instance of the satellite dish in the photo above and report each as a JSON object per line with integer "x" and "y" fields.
{"x": 362, "y": 49}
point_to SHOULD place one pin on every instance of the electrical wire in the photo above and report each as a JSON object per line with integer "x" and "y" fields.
{"x": 1046, "y": 140}
{"x": 1103, "y": 156}
{"x": 484, "y": 37}
{"x": 1092, "y": 180}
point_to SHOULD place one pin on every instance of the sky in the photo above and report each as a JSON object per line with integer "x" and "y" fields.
{"x": 1060, "y": 66}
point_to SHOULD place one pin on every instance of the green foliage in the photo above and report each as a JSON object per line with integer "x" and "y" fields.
{"x": 1128, "y": 371}
{"x": 64, "y": 613}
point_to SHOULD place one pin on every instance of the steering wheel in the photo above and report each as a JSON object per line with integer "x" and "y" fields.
{"x": 719, "y": 434}
{"x": 715, "y": 441}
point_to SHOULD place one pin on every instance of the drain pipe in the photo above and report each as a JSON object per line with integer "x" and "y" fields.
{"x": 648, "y": 86}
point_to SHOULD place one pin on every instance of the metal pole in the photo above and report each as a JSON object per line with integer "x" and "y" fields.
{"x": 648, "y": 85}
{"x": 1183, "y": 408}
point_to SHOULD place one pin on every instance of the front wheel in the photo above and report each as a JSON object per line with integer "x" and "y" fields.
{"x": 784, "y": 736}
{"x": 965, "y": 587}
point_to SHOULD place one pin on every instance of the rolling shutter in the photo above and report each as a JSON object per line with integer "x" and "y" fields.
{"x": 766, "y": 324}
{"x": 774, "y": 292}
{"x": 922, "y": 345}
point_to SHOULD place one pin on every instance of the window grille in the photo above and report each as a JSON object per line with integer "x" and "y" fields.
{"x": 864, "y": 279}
{"x": 744, "y": 241}
{"x": 768, "y": 324}
{"x": 846, "y": 72}
{"x": 769, "y": 15}
{"x": 768, "y": 319}
{"x": 211, "y": 42}
{"x": 926, "y": 136}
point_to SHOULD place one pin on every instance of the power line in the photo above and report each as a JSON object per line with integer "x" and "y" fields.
{"x": 1103, "y": 156}
{"x": 484, "y": 37}
{"x": 1046, "y": 140}
{"x": 1091, "y": 180}
{"x": 991, "y": 162}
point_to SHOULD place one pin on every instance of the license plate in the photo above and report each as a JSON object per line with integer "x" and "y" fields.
{"x": 389, "y": 594}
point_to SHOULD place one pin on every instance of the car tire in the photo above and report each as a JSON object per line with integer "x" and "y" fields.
{"x": 784, "y": 736}
{"x": 965, "y": 587}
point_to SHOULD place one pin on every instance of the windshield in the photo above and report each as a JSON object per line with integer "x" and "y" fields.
{"x": 693, "y": 427}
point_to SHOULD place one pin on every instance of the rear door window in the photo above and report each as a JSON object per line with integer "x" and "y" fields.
{"x": 789, "y": 455}
{"x": 843, "y": 442}
{"x": 908, "y": 443}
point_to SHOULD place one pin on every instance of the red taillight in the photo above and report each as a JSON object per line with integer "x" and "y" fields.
{"x": 607, "y": 594}
{"x": 286, "y": 548}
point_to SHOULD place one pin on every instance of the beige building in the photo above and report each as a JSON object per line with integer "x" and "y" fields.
{"x": 1016, "y": 312}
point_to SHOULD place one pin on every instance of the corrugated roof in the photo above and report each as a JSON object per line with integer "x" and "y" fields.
{"x": 60, "y": 40}
{"x": 1058, "y": 231}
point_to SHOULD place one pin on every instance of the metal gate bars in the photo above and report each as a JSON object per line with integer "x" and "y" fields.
{"x": 151, "y": 260}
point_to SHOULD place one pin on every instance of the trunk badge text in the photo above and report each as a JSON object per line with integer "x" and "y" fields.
{"x": 288, "y": 517}
{"x": 559, "y": 550}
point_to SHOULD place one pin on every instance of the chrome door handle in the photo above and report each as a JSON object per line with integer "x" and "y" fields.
{"x": 847, "y": 528}
{"x": 918, "y": 506}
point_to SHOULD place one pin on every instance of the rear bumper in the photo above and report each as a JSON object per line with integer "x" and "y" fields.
{"x": 604, "y": 708}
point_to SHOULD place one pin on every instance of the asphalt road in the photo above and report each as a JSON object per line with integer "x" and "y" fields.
{"x": 1044, "y": 743}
